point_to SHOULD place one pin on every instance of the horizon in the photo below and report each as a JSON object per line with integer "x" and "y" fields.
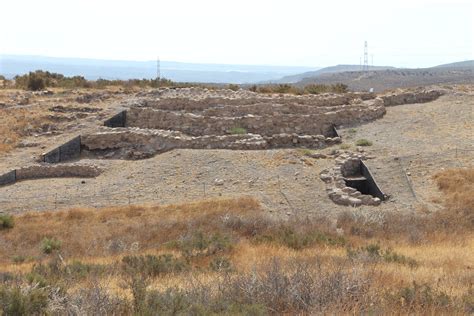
{"x": 217, "y": 64}
{"x": 405, "y": 34}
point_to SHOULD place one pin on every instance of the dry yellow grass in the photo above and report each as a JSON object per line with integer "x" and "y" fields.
{"x": 89, "y": 232}
{"x": 17, "y": 123}
{"x": 444, "y": 264}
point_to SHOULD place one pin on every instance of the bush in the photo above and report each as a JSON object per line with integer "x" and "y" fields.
{"x": 152, "y": 266}
{"x": 373, "y": 252}
{"x": 363, "y": 142}
{"x": 238, "y": 131}
{"x": 289, "y": 237}
{"x": 233, "y": 87}
{"x": 27, "y": 301}
{"x": 6, "y": 221}
{"x": 19, "y": 259}
{"x": 420, "y": 297}
{"x": 315, "y": 88}
{"x": 199, "y": 244}
{"x": 49, "y": 245}
{"x": 35, "y": 82}
{"x": 220, "y": 264}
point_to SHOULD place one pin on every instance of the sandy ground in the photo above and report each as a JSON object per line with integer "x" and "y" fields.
{"x": 424, "y": 137}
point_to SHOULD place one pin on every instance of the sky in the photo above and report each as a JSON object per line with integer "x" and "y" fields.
{"x": 403, "y": 33}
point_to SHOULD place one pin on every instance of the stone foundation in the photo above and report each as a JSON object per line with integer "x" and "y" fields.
{"x": 347, "y": 166}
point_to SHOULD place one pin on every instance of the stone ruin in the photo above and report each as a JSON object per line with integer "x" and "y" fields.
{"x": 243, "y": 120}
{"x": 350, "y": 182}
{"x": 196, "y": 118}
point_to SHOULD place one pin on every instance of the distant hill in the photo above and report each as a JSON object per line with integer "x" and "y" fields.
{"x": 11, "y": 65}
{"x": 395, "y": 78}
{"x": 385, "y": 77}
{"x": 332, "y": 69}
{"x": 460, "y": 64}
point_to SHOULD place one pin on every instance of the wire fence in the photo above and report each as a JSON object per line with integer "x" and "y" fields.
{"x": 267, "y": 187}
{"x": 78, "y": 195}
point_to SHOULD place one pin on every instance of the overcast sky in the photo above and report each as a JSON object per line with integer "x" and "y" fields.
{"x": 412, "y": 33}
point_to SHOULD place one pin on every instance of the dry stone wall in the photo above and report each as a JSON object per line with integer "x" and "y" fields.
{"x": 156, "y": 141}
{"x": 41, "y": 171}
{"x": 265, "y": 123}
{"x": 203, "y": 99}
{"x": 411, "y": 97}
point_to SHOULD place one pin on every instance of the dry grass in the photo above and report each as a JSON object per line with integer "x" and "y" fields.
{"x": 18, "y": 123}
{"x": 92, "y": 232}
{"x": 429, "y": 269}
{"x": 458, "y": 187}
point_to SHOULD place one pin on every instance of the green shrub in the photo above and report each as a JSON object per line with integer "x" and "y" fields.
{"x": 15, "y": 301}
{"x": 419, "y": 297}
{"x": 49, "y": 245}
{"x": 220, "y": 264}
{"x": 298, "y": 240}
{"x": 6, "y": 221}
{"x": 363, "y": 142}
{"x": 316, "y": 88}
{"x": 152, "y": 266}
{"x": 19, "y": 259}
{"x": 339, "y": 88}
{"x": 374, "y": 252}
{"x": 199, "y": 244}
{"x": 390, "y": 256}
{"x": 233, "y": 87}
{"x": 77, "y": 269}
{"x": 36, "y": 279}
{"x": 306, "y": 152}
{"x": 35, "y": 82}
{"x": 238, "y": 131}
{"x": 345, "y": 146}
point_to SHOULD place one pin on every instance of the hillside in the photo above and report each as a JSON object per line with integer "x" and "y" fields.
{"x": 394, "y": 78}
{"x": 332, "y": 69}
{"x": 11, "y": 65}
{"x": 459, "y": 64}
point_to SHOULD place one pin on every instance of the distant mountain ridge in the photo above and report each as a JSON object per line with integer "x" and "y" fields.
{"x": 331, "y": 69}
{"x": 11, "y": 65}
{"x": 383, "y": 79}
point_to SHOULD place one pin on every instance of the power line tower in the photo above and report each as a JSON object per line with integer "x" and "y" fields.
{"x": 366, "y": 57}
{"x": 158, "y": 70}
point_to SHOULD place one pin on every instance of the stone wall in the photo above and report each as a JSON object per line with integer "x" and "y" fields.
{"x": 50, "y": 171}
{"x": 118, "y": 120}
{"x": 197, "y": 103}
{"x": 265, "y": 125}
{"x": 156, "y": 141}
{"x": 67, "y": 151}
{"x": 411, "y": 97}
{"x": 57, "y": 171}
{"x": 8, "y": 178}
